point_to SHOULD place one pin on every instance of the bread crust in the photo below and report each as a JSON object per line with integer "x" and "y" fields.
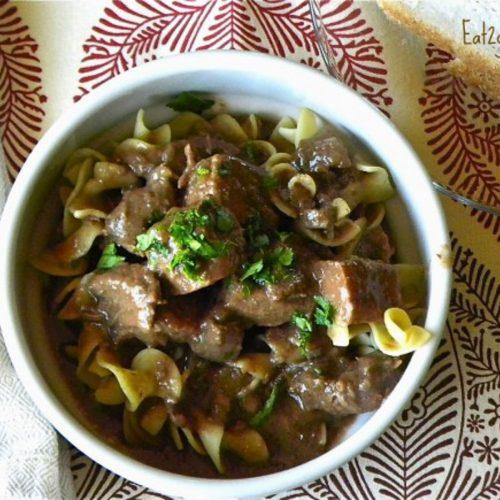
{"x": 469, "y": 64}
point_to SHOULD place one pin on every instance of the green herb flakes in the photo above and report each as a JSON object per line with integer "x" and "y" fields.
{"x": 110, "y": 257}
{"x": 253, "y": 270}
{"x": 323, "y": 312}
{"x": 271, "y": 268}
{"x": 285, "y": 256}
{"x": 189, "y": 101}
{"x": 149, "y": 242}
{"x": 202, "y": 171}
{"x": 305, "y": 330}
{"x": 193, "y": 246}
{"x": 263, "y": 415}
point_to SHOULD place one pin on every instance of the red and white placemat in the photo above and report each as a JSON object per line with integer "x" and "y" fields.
{"x": 446, "y": 444}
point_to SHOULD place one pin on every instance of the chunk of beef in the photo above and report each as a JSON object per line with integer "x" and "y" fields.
{"x": 271, "y": 299}
{"x": 210, "y": 390}
{"x": 270, "y": 305}
{"x": 143, "y": 157}
{"x": 375, "y": 245}
{"x": 218, "y": 341}
{"x": 161, "y": 180}
{"x": 134, "y": 213}
{"x": 179, "y": 318}
{"x": 123, "y": 299}
{"x": 285, "y": 345}
{"x": 294, "y": 435}
{"x": 342, "y": 183}
{"x": 204, "y": 146}
{"x": 184, "y": 319}
{"x": 320, "y": 154}
{"x": 195, "y": 247}
{"x": 231, "y": 183}
{"x": 187, "y": 151}
{"x": 360, "y": 388}
{"x": 359, "y": 289}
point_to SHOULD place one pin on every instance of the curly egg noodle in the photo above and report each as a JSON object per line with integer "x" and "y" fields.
{"x": 152, "y": 384}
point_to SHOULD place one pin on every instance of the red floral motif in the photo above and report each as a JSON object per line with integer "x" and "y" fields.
{"x": 469, "y": 154}
{"x": 134, "y": 31}
{"x": 484, "y": 107}
{"x": 312, "y": 62}
{"x": 21, "y": 97}
{"x": 357, "y": 52}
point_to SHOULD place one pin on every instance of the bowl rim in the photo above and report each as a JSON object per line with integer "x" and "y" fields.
{"x": 25, "y": 364}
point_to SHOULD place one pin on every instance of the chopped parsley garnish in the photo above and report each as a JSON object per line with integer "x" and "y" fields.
{"x": 149, "y": 242}
{"x": 202, "y": 171}
{"x": 189, "y": 101}
{"x": 193, "y": 247}
{"x": 269, "y": 183}
{"x": 285, "y": 256}
{"x": 251, "y": 151}
{"x": 263, "y": 415}
{"x": 223, "y": 170}
{"x": 323, "y": 312}
{"x": 253, "y": 270}
{"x": 110, "y": 257}
{"x": 271, "y": 268}
{"x": 305, "y": 330}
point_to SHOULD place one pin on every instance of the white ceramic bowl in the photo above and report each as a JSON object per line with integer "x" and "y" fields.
{"x": 247, "y": 81}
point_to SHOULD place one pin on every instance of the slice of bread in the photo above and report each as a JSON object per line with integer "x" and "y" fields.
{"x": 467, "y": 29}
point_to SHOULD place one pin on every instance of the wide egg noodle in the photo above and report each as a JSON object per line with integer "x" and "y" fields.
{"x": 228, "y": 128}
{"x": 160, "y": 136}
{"x": 376, "y": 184}
{"x": 252, "y": 127}
{"x": 193, "y": 441}
{"x": 211, "y": 434}
{"x": 67, "y": 257}
{"x": 282, "y": 144}
{"x": 341, "y": 335}
{"x": 306, "y": 128}
{"x": 141, "y": 380}
{"x": 187, "y": 123}
{"x": 397, "y": 335}
{"x": 247, "y": 444}
{"x": 73, "y": 163}
{"x": 90, "y": 200}
{"x": 85, "y": 172}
